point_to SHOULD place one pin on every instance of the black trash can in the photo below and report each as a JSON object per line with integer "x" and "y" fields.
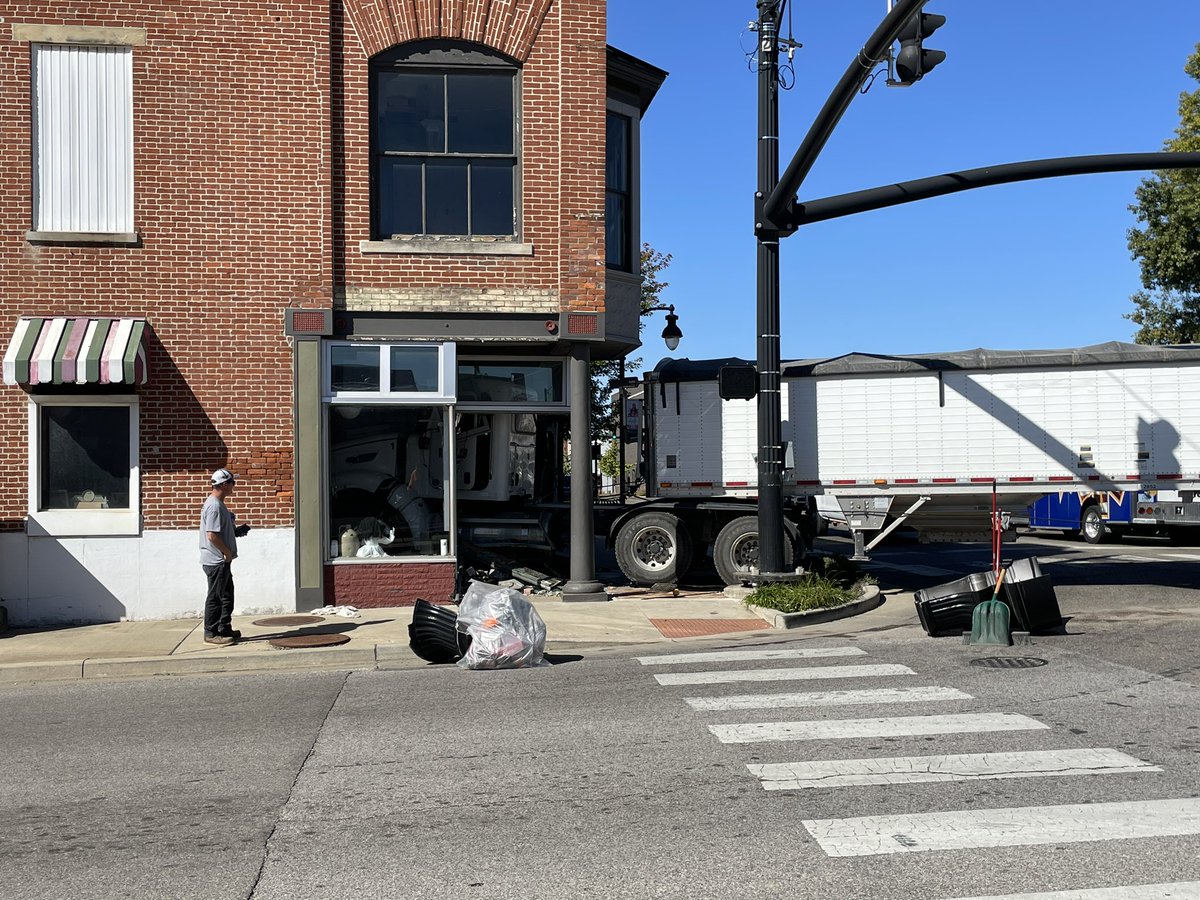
{"x": 1030, "y": 596}
{"x": 433, "y": 634}
{"x": 946, "y": 609}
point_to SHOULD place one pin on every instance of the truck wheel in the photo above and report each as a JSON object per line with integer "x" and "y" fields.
{"x": 653, "y": 547}
{"x": 1091, "y": 525}
{"x": 735, "y": 551}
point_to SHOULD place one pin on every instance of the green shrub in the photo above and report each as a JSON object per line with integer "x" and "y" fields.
{"x": 830, "y": 581}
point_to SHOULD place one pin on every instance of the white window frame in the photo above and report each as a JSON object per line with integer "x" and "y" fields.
{"x": 447, "y": 374}
{"x": 84, "y": 522}
{"x": 82, "y": 143}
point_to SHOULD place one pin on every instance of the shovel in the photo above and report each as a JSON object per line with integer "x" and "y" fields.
{"x": 989, "y": 621}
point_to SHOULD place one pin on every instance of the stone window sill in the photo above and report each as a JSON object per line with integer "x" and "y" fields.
{"x": 443, "y": 247}
{"x": 122, "y": 238}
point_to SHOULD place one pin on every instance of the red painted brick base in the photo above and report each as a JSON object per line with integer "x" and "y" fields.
{"x": 367, "y": 585}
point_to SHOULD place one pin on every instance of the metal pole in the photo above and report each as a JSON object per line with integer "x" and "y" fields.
{"x": 622, "y": 426}
{"x": 770, "y": 462}
{"x": 583, "y": 584}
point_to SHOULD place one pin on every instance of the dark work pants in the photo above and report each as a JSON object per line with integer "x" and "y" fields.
{"x": 218, "y": 605}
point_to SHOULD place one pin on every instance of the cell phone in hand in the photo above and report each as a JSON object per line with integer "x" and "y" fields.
{"x": 242, "y": 530}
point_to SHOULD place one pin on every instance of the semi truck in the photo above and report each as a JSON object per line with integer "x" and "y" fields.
{"x": 937, "y": 442}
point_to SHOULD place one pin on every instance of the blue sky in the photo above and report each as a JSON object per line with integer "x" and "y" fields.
{"x": 1034, "y": 265}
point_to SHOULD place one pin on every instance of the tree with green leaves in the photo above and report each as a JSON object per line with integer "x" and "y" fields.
{"x": 605, "y": 372}
{"x": 1167, "y": 246}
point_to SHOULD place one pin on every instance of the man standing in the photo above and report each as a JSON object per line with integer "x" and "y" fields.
{"x": 218, "y": 550}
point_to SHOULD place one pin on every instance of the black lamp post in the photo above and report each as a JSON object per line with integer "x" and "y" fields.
{"x": 671, "y": 335}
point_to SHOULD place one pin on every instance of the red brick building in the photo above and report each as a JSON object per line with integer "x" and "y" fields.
{"x": 358, "y": 252}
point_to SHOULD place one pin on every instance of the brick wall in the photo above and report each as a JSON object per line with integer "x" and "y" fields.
{"x": 370, "y": 585}
{"x": 251, "y": 149}
{"x": 561, "y": 48}
{"x": 232, "y": 203}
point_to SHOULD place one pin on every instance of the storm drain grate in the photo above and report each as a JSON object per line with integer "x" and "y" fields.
{"x": 304, "y": 641}
{"x": 1008, "y": 662}
{"x": 282, "y": 621}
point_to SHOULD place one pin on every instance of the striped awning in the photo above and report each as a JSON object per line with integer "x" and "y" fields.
{"x": 76, "y": 350}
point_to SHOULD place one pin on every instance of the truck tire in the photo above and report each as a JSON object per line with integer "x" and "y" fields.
{"x": 735, "y": 551}
{"x": 1091, "y": 525}
{"x": 654, "y": 547}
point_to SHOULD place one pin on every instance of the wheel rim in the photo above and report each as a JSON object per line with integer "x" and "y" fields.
{"x": 744, "y": 552}
{"x": 654, "y": 548}
{"x": 1092, "y": 526}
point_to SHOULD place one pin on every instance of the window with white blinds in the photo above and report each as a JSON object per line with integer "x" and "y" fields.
{"x": 82, "y": 138}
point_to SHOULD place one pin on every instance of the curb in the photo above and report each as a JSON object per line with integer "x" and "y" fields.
{"x": 870, "y": 599}
{"x": 378, "y": 656}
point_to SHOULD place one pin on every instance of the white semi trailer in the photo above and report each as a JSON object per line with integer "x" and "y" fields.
{"x": 927, "y": 440}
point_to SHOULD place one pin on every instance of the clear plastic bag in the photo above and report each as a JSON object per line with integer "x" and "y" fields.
{"x": 506, "y": 631}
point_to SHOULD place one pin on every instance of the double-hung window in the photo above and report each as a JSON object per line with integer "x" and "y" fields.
{"x": 444, "y": 142}
{"x": 82, "y": 142}
{"x": 618, "y": 193}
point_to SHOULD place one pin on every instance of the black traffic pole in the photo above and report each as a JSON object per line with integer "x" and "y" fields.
{"x": 770, "y": 451}
{"x": 772, "y": 206}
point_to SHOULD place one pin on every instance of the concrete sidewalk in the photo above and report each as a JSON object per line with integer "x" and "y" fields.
{"x": 378, "y": 638}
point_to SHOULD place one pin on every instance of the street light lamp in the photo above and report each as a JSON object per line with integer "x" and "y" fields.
{"x": 671, "y": 335}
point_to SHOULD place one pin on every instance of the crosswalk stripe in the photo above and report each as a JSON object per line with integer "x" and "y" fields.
{"x": 812, "y": 672}
{"x": 1192, "y": 557}
{"x": 827, "y": 698}
{"x": 735, "y": 655}
{"x": 950, "y": 767}
{"x": 835, "y": 729}
{"x": 1128, "y": 558}
{"x": 1014, "y": 827}
{"x": 1180, "y": 890}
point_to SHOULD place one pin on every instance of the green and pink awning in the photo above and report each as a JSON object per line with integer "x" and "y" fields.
{"x": 76, "y": 350}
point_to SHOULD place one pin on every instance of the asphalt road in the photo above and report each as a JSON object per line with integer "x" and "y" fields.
{"x": 594, "y": 778}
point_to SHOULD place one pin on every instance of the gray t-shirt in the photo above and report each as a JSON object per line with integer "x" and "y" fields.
{"x": 214, "y": 516}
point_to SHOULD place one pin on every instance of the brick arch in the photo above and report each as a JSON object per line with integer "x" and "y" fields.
{"x": 510, "y": 26}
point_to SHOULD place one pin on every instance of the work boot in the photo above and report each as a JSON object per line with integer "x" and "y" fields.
{"x": 222, "y": 640}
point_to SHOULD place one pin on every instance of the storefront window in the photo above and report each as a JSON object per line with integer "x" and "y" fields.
{"x": 505, "y": 382}
{"x": 387, "y": 477}
{"x": 415, "y": 369}
{"x": 405, "y": 372}
{"x": 83, "y": 454}
{"x": 82, "y": 466}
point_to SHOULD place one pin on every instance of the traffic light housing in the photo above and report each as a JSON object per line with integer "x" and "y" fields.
{"x": 737, "y": 382}
{"x": 913, "y": 60}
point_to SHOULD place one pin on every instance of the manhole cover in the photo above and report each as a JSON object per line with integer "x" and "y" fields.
{"x": 1008, "y": 662}
{"x": 278, "y": 621}
{"x": 304, "y": 641}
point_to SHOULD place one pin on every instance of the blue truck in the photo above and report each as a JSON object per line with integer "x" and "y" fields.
{"x": 1096, "y": 516}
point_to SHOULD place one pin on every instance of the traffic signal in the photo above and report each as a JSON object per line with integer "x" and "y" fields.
{"x": 913, "y": 60}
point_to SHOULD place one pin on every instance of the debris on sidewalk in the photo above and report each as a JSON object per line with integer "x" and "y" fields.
{"x": 505, "y": 629}
{"x": 349, "y": 612}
